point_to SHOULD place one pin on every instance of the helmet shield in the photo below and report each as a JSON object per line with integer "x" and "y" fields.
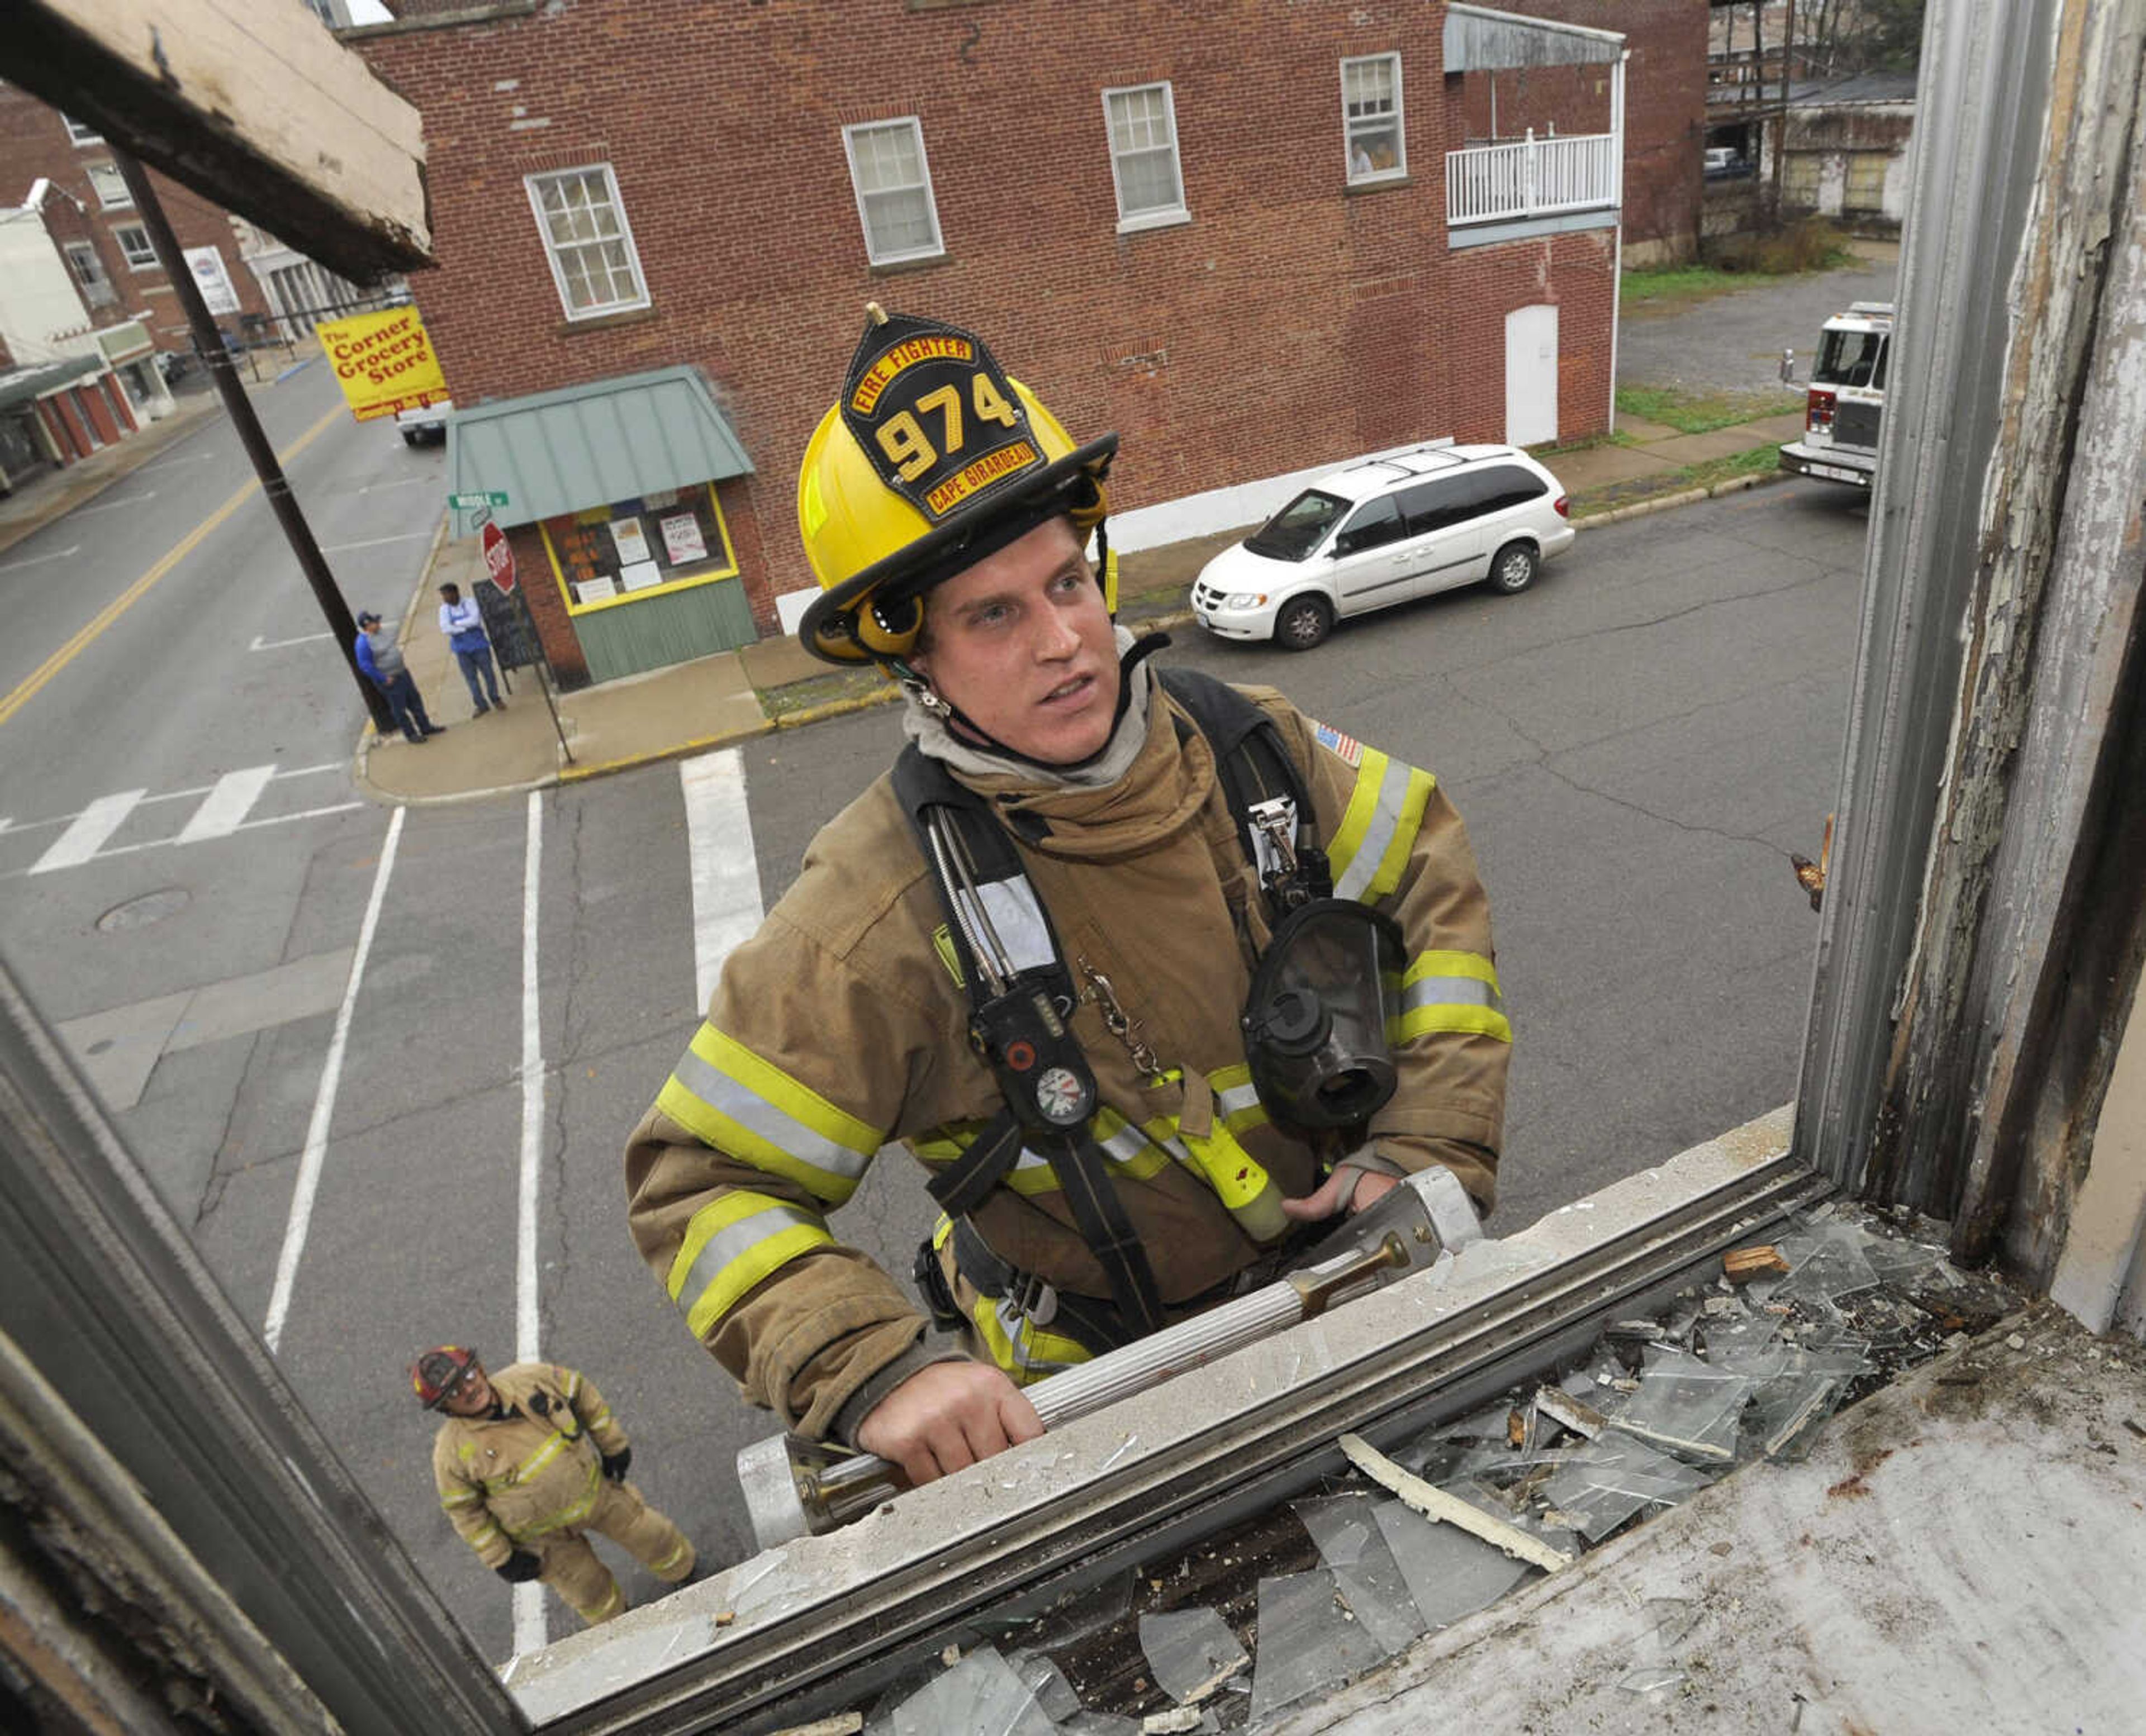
{"x": 435, "y": 1375}
{"x": 1317, "y": 1017}
{"x": 933, "y": 458}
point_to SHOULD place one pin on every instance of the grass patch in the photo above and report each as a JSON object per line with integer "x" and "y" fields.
{"x": 1743, "y": 261}
{"x": 1758, "y": 462}
{"x": 1701, "y": 412}
{"x": 819, "y": 690}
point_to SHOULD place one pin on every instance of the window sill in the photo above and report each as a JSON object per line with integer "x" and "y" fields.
{"x": 1378, "y": 183}
{"x": 605, "y": 321}
{"x": 895, "y": 267}
{"x": 1153, "y": 220}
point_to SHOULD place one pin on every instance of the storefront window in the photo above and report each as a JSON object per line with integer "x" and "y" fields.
{"x": 631, "y": 549}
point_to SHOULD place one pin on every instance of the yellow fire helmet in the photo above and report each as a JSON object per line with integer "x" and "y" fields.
{"x": 934, "y": 458}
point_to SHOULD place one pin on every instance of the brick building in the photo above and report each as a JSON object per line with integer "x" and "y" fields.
{"x": 1233, "y": 236}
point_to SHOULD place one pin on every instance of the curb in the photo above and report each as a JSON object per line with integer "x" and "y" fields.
{"x": 1683, "y": 497}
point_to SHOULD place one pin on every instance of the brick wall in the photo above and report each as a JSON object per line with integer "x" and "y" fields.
{"x": 1291, "y": 322}
{"x": 34, "y": 142}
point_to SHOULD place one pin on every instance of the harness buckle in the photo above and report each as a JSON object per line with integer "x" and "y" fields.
{"x": 1033, "y": 1299}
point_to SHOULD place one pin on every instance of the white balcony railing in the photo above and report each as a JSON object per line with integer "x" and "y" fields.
{"x": 1535, "y": 177}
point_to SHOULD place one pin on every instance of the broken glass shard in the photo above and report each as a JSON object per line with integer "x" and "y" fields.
{"x": 1192, "y": 1652}
{"x": 1307, "y": 1641}
{"x": 1365, "y": 1574}
{"x": 1047, "y": 1683}
{"x": 1449, "y": 1573}
{"x": 1686, "y": 1406}
{"x": 981, "y": 1695}
{"x": 1612, "y": 1479}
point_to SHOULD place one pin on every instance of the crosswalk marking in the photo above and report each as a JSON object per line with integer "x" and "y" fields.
{"x": 92, "y": 826}
{"x": 727, "y": 906}
{"x": 228, "y": 803}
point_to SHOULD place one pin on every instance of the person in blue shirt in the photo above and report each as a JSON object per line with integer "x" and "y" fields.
{"x": 461, "y": 624}
{"x": 380, "y": 658}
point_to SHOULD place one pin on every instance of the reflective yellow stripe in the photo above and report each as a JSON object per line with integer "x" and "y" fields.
{"x": 573, "y": 1385}
{"x": 526, "y": 1471}
{"x": 1235, "y": 1098}
{"x": 740, "y": 1104}
{"x": 670, "y": 1560}
{"x": 573, "y": 1514}
{"x": 1131, "y": 1152}
{"x": 731, "y": 1244}
{"x": 1029, "y": 1174}
{"x": 484, "y": 1535}
{"x": 1450, "y": 991}
{"x": 614, "y": 1601}
{"x": 467, "y": 1498}
{"x": 1372, "y": 845}
{"x": 1024, "y": 1350}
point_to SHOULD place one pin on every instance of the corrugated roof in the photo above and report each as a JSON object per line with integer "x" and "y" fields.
{"x": 554, "y": 453}
{"x": 1480, "y": 39}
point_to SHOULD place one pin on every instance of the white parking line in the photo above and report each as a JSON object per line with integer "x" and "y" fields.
{"x": 40, "y": 560}
{"x": 344, "y": 548}
{"x": 227, "y": 805}
{"x": 132, "y": 500}
{"x": 726, "y": 903}
{"x": 92, "y": 826}
{"x": 530, "y": 1630}
{"x": 404, "y": 482}
{"x": 316, "y": 1131}
{"x": 261, "y": 644}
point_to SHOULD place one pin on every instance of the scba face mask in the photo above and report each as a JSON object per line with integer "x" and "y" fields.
{"x": 1316, "y": 1020}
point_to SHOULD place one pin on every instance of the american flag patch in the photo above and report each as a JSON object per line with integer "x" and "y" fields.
{"x": 1347, "y": 748}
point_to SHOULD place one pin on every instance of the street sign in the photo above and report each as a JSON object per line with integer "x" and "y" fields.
{"x": 498, "y": 557}
{"x": 470, "y": 503}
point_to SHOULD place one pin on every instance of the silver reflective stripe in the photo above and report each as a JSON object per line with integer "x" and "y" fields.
{"x": 1017, "y": 918}
{"x": 1449, "y": 991}
{"x": 1237, "y": 1099}
{"x": 785, "y": 1132}
{"x": 1377, "y": 832}
{"x": 1126, "y": 1144}
{"x": 734, "y": 1240}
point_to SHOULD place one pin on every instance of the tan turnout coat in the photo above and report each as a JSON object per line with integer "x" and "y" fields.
{"x": 840, "y": 1025}
{"x": 520, "y": 1481}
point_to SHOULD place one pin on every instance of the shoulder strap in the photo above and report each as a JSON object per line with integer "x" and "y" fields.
{"x": 1256, "y": 767}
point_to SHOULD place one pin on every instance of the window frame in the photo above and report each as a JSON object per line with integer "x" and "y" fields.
{"x": 74, "y": 251}
{"x": 1158, "y": 217}
{"x": 1351, "y": 124}
{"x": 79, "y": 134}
{"x": 938, "y": 249}
{"x": 532, "y": 185}
{"x": 720, "y": 564}
{"x": 125, "y": 202}
{"x": 119, "y": 237}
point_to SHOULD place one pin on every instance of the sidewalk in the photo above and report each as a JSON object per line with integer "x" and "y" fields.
{"x": 56, "y": 493}
{"x": 733, "y": 696}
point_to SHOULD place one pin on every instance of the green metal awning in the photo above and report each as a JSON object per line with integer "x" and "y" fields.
{"x": 20, "y": 385}
{"x": 561, "y": 451}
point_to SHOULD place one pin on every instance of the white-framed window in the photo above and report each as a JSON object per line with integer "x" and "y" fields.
{"x": 587, "y": 241}
{"x": 893, "y": 182}
{"x": 111, "y": 186}
{"x": 81, "y": 134}
{"x": 1371, "y": 118}
{"x": 1142, "y": 119}
{"x": 134, "y": 244}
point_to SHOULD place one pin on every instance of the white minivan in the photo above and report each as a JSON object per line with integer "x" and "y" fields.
{"x": 1382, "y": 531}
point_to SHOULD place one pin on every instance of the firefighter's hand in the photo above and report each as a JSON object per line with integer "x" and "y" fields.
{"x": 519, "y": 1566}
{"x": 615, "y": 1463}
{"x": 946, "y": 1415}
{"x": 1368, "y": 1185}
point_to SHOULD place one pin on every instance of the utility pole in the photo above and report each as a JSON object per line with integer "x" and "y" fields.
{"x": 274, "y": 484}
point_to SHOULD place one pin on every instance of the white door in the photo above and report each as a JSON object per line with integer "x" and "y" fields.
{"x": 1530, "y": 375}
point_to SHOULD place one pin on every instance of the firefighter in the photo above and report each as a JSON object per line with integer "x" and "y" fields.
{"x": 526, "y": 1462}
{"x": 1047, "y": 954}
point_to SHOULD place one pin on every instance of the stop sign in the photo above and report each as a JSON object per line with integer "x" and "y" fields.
{"x": 498, "y": 557}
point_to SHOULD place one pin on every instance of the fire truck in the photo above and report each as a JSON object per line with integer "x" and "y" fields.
{"x": 1846, "y": 399}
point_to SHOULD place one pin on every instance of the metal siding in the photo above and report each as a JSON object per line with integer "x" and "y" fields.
{"x": 660, "y": 630}
{"x": 562, "y": 452}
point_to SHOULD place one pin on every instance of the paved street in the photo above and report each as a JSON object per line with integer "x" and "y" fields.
{"x": 317, "y": 1023}
{"x": 1734, "y": 343}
